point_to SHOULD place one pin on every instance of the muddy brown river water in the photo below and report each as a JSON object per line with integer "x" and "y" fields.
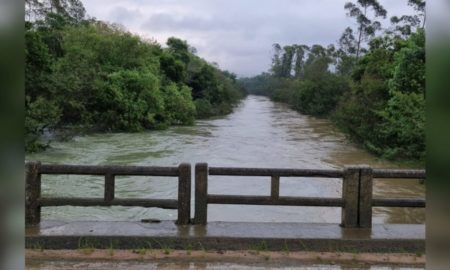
{"x": 259, "y": 133}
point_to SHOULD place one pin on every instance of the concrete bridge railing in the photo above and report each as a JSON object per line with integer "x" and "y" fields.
{"x": 34, "y": 201}
{"x": 356, "y": 201}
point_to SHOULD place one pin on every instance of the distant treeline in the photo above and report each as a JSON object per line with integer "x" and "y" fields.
{"x": 86, "y": 74}
{"x": 371, "y": 86}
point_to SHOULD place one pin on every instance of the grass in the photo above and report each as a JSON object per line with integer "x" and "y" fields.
{"x": 38, "y": 246}
{"x": 140, "y": 251}
{"x": 202, "y": 247}
{"x": 167, "y": 250}
{"x": 111, "y": 249}
{"x": 303, "y": 245}
{"x": 262, "y": 246}
{"x": 85, "y": 246}
{"x": 285, "y": 247}
{"x": 188, "y": 249}
{"x": 87, "y": 250}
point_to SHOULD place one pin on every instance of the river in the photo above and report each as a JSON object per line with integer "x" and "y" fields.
{"x": 259, "y": 133}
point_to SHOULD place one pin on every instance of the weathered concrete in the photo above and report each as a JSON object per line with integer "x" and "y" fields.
{"x": 109, "y": 259}
{"x": 227, "y": 236}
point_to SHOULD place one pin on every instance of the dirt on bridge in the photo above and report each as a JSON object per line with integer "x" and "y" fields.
{"x": 186, "y": 259}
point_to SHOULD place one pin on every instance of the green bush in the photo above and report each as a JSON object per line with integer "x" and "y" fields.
{"x": 203, "y": 108}
{"x": 319, "y": 97}
{"x": 402, "y": 127}
{"x": 41, "y": 115}
{"x": 179, "y": 107}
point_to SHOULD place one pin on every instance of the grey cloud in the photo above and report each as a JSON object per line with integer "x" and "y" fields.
{"x": 170, "y": 22}
{"x": 237, "y": 34}
{"x": 123, "y": 15}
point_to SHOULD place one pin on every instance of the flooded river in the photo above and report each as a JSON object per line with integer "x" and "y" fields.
{"x": 259, "y": 133}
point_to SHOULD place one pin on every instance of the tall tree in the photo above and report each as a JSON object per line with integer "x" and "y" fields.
{"x": 179, "y": 48}
{"x": 318, "y": 61}
{"x": 419, "y": 6}
{"x": 367, "y": 26}
{"x": 300, "y": 54}
{"x": 72, "y": 10}
{"x": 276, "y": 60}
{"x": 286, "y": 61}
{"x": 405, "y": 24}
{"x": 346, "y": 53}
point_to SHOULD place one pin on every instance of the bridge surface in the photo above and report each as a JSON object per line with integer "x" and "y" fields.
{"x": 226, "y": 236}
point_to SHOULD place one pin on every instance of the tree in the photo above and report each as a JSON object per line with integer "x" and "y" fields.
{"x": 300, "y": 53}
{"x": 179, "y": 49}
{"x": 318, "y": 61}
{"x": 276, "y": 68}
{"x": 319, "y": 97}
{"x": 41, "y": 115}
{"x": 203, "y": 82}
{"x": 175, "y": 70}
{"x": 401, "y": 131}
{"x": 419, "y": 6}
{"x": 72, "y": 10}
{"x": 409, "y": 72}
{"x": 258, "y": 85}
{"x": 38, "y": 66}
{"x": 286, "y": 61}
{"x": 367, "y": 27}
{"x": 179, "y": 108}
{"x": 346, "y": 53}
{"x": 407, "y": 24}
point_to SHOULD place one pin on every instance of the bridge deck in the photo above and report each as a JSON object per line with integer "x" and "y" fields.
{"x": 226, "y": 236}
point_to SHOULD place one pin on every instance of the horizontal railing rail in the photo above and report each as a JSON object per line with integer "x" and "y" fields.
{"x": 108, "y": 169}
{"x": 398, "y": 203}
{"x": 34, "y": 200}
{"x": 267, "y": 200}
{"x": 394, "y": 173}
{"x": 160, "y": 203}
{"x": 275, "y": 172}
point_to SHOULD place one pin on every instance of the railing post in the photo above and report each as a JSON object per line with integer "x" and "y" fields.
{"x": 201, "y": 193}
{"x": 32, "y": 193}
{"x": 350, "y": 196}
{"x": 365, "y": 197}
{"x": 275, "y": 187}
{"x": 109, "y": 187}
{"x": 184, "y": 193}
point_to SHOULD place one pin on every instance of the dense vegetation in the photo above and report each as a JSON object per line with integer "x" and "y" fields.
{"x": 88, "y": 74}
{"x": 372, "y": 86}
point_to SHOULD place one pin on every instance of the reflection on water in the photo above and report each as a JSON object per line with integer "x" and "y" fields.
{"x": 260, "y": 133}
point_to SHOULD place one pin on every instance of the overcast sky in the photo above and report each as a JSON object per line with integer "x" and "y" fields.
{"x": 237, "y": 34}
